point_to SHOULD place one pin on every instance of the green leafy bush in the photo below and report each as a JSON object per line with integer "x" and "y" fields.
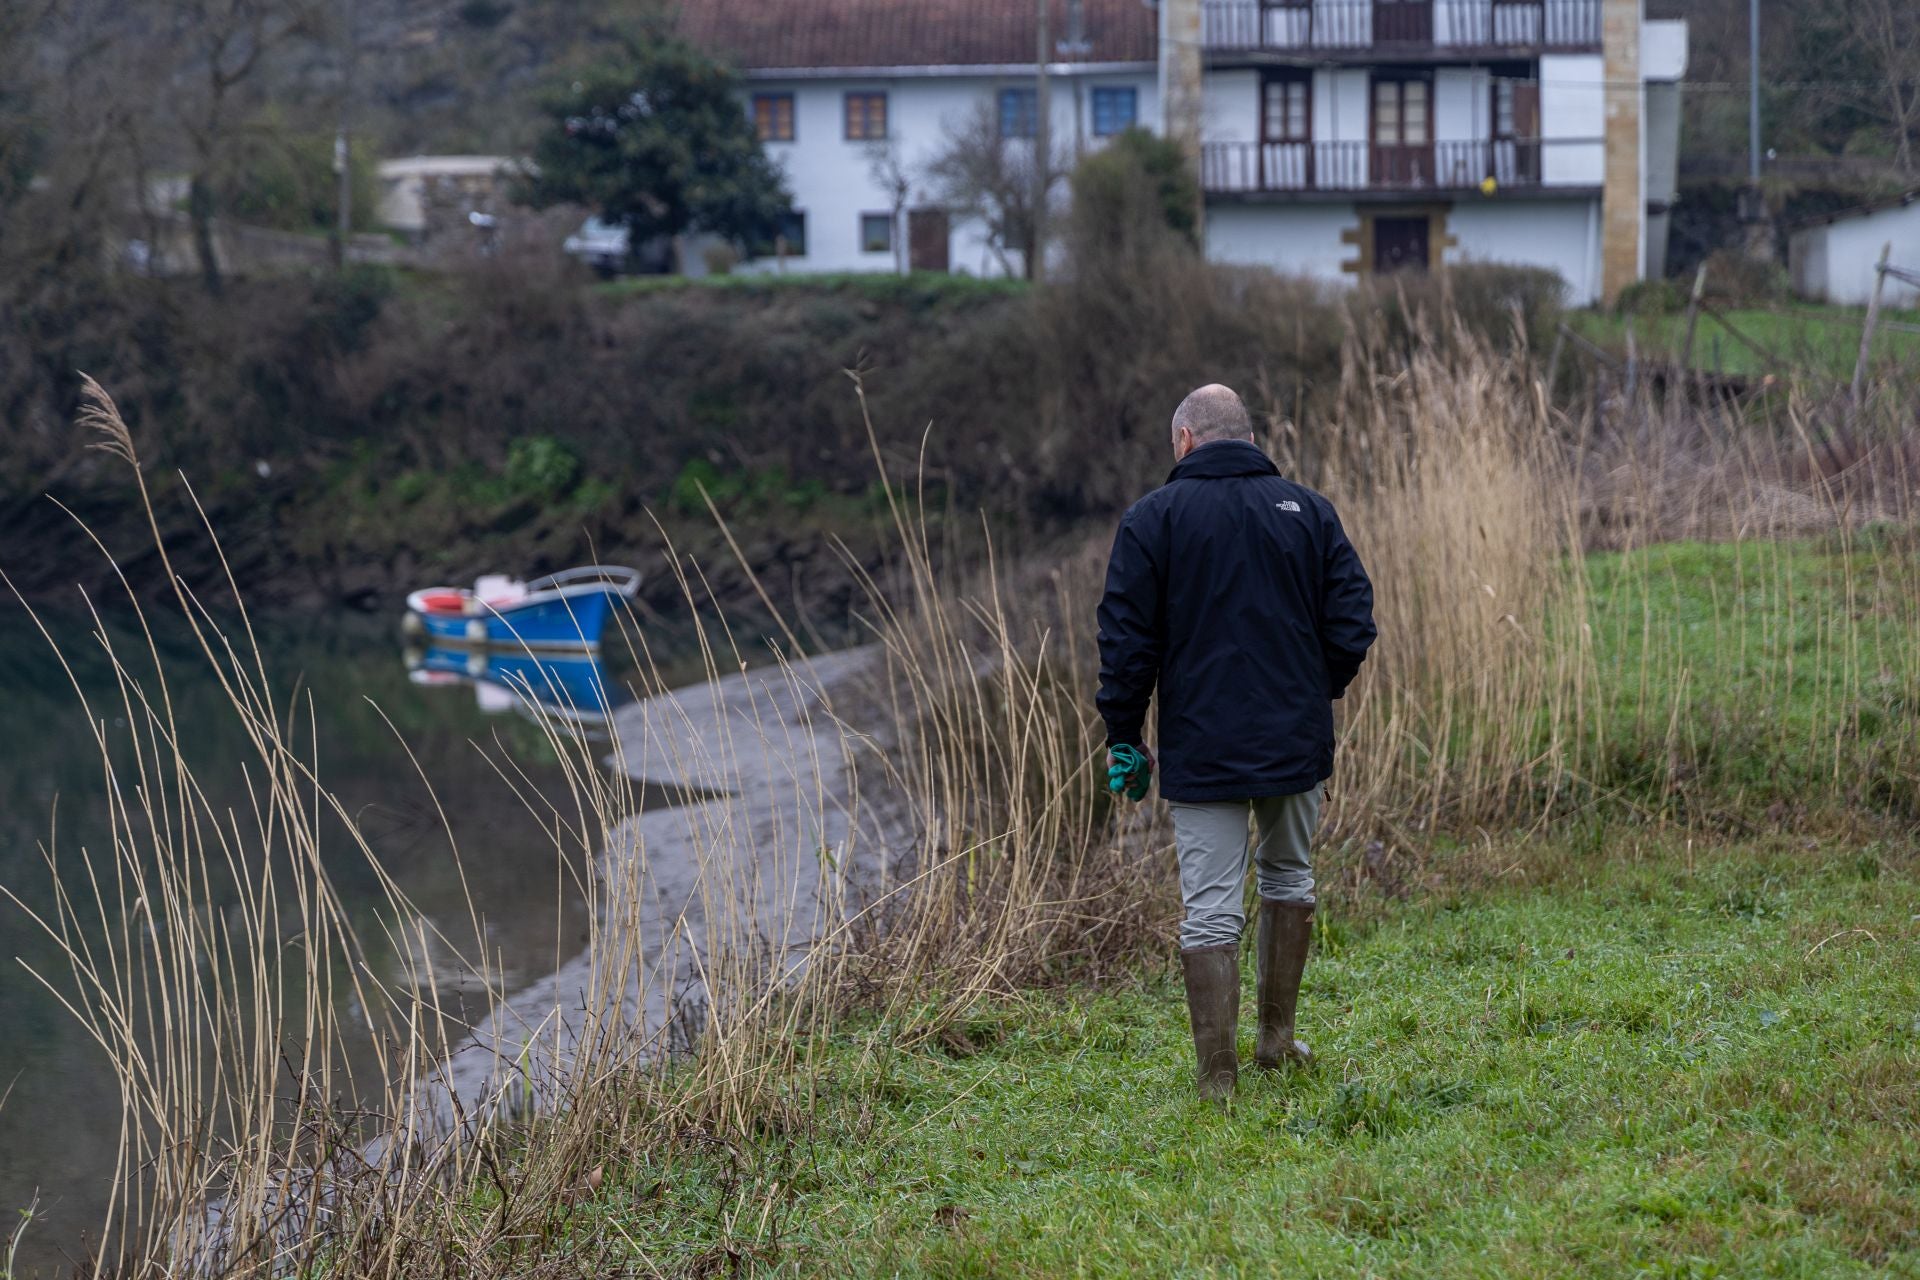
{"x": 286, "y": 180}
{"x": 1746, "y": 281}
{"x": 1490, "y": 298}
{"x": 540, "y": 467}
{"x": 1649, "y": 298}
{"x": 698, "y": 475}
{"x": 1138, "y": 182}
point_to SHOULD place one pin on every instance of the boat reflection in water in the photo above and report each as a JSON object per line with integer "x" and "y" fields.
{"x": 565, "y": 688}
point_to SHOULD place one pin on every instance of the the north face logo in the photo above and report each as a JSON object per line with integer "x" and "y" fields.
{"x": 1288, "y": 505}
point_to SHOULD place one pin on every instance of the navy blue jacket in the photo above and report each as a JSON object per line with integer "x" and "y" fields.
{"x": 1237, "y": 593}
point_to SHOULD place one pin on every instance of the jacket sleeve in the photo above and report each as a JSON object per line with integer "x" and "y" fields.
{"x": 1347, "y": 630}
{"x": 1130, "y": 632}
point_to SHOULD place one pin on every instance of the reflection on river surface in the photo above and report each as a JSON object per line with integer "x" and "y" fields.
{"x": 376, "y": 721}
{"x": 568, "y": 688}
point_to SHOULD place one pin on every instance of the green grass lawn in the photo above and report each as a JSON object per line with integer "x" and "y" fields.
{"x": 1643, "y": 1062}
{"x": 1806, "y": 338}
{"x": 1796, "y": 664}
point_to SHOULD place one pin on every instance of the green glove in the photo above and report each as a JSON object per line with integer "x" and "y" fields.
{"x": 1131, "y": 772}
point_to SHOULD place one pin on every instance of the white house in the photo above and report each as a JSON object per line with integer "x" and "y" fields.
{"x": 1338, "y": 138}
{"x": 1835, "y": 257}
{"x": 846, "y": 92}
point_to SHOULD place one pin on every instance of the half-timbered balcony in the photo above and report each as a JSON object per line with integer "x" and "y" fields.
{"x": 1402, "y": 28}
{"x": 1245, "y": 168}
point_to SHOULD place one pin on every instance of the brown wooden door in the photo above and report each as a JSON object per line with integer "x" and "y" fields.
{"x": 1403, "y": 22}
{"x": 1399, "y": 244}
{"x": 1402, "y": 132}
{"x": 928, "y": 234}
{"x": 1286, "y": 130}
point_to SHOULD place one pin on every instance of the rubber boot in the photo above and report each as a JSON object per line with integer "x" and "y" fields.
{"x": 1213, "y": 1005}
{"x": 1280, "y": 958}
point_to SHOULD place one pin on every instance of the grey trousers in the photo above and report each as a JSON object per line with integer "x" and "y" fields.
{"x": 1212, "y": 840}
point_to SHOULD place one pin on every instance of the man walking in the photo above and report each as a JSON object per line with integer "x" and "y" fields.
{"x": 1236, "y": 592}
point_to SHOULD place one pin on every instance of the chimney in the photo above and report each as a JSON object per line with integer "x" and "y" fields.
{"x": 1075, "y": 43}
{"x": 1180, "y": 73}
{"x": 1623, "y": 208}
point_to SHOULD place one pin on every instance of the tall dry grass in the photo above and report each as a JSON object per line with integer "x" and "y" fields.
{"x": 295, "y": 1101}
{"x": 1451, "y": 482}
{"x": 899, "y": 837}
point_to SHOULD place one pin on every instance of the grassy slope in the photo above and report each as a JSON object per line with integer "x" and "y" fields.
{"x": 1629, "y": 1067}
{"x": 1815, "y": 339}
{"x": 1750, "y": 630}
{"x": 1609, "y": 1052}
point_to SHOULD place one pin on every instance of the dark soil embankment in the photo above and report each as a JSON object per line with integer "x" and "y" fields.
{"x": 351, "y": 437}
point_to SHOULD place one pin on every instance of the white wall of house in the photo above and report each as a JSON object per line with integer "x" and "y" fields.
{"x": 1573, "y": 120}
{"x": 832, "y": 178}
{"x": 1462, "y": 104}
{"x": 1230, "y": 106}
{"x": 1836, "y": 262}
{"x": 1572, "y": 117}
{"x": 1341, "y": 102}
{"x": 1560, "y": 235}
{"x": 1300, "y": 238}
{"x": 1663, "y": 49}
{"x": 1340, "y": 105}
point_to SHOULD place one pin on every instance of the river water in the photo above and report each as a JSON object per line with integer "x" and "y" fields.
{"x": 379, "y": 725}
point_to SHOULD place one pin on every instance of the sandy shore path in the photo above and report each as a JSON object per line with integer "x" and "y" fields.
{"x": 754, "y": 863}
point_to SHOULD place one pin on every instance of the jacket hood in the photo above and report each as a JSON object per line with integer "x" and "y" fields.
{"x": 1223, "y": 458}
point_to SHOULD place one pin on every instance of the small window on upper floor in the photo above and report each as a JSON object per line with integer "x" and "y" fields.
{"x": 1018, "y": 119}
{"x": 1114, "y": 111}
{"x": 773, "y": 116}
{"x": 866, "y": 117}
{"x": 1287, "y": 107}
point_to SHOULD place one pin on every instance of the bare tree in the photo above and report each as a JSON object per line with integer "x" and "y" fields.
{"x": 891, "y": 174}
{"x": 1004, "y": 182}
{"x": 69, "y": 106}
{"x": 1885, "y": 35}
{"x": 217, "y": 48}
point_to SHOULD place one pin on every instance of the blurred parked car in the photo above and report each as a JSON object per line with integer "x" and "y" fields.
{"x": 602, "y": 245}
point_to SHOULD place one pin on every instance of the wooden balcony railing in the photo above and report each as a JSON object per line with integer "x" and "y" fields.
{"x": 1228, "y": 168}
{"x": 1400, "y": 26}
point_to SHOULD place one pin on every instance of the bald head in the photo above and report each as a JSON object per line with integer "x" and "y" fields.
{"x": 1212, "y": 413}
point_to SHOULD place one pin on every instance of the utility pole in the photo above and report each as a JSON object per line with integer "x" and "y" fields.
{"x": 1753, "y": 202}
{"x": 1753, "y": 92}
{"x": 1042, "y": 148}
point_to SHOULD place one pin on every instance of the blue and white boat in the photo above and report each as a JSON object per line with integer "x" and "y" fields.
{"x": 566, "y": 610}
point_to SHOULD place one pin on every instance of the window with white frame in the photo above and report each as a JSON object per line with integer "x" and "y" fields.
{"x": 1019, "y": 117}
{"x": 1116, "y": 108}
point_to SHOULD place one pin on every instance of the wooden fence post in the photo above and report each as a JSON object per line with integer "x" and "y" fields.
{"x": 1693, "y": 318}
{"x": 1633, "y": 364}
{"x": 1873, "y": 319}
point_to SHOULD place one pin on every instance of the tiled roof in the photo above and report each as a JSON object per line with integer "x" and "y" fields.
{"x": 763, "y": 34}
